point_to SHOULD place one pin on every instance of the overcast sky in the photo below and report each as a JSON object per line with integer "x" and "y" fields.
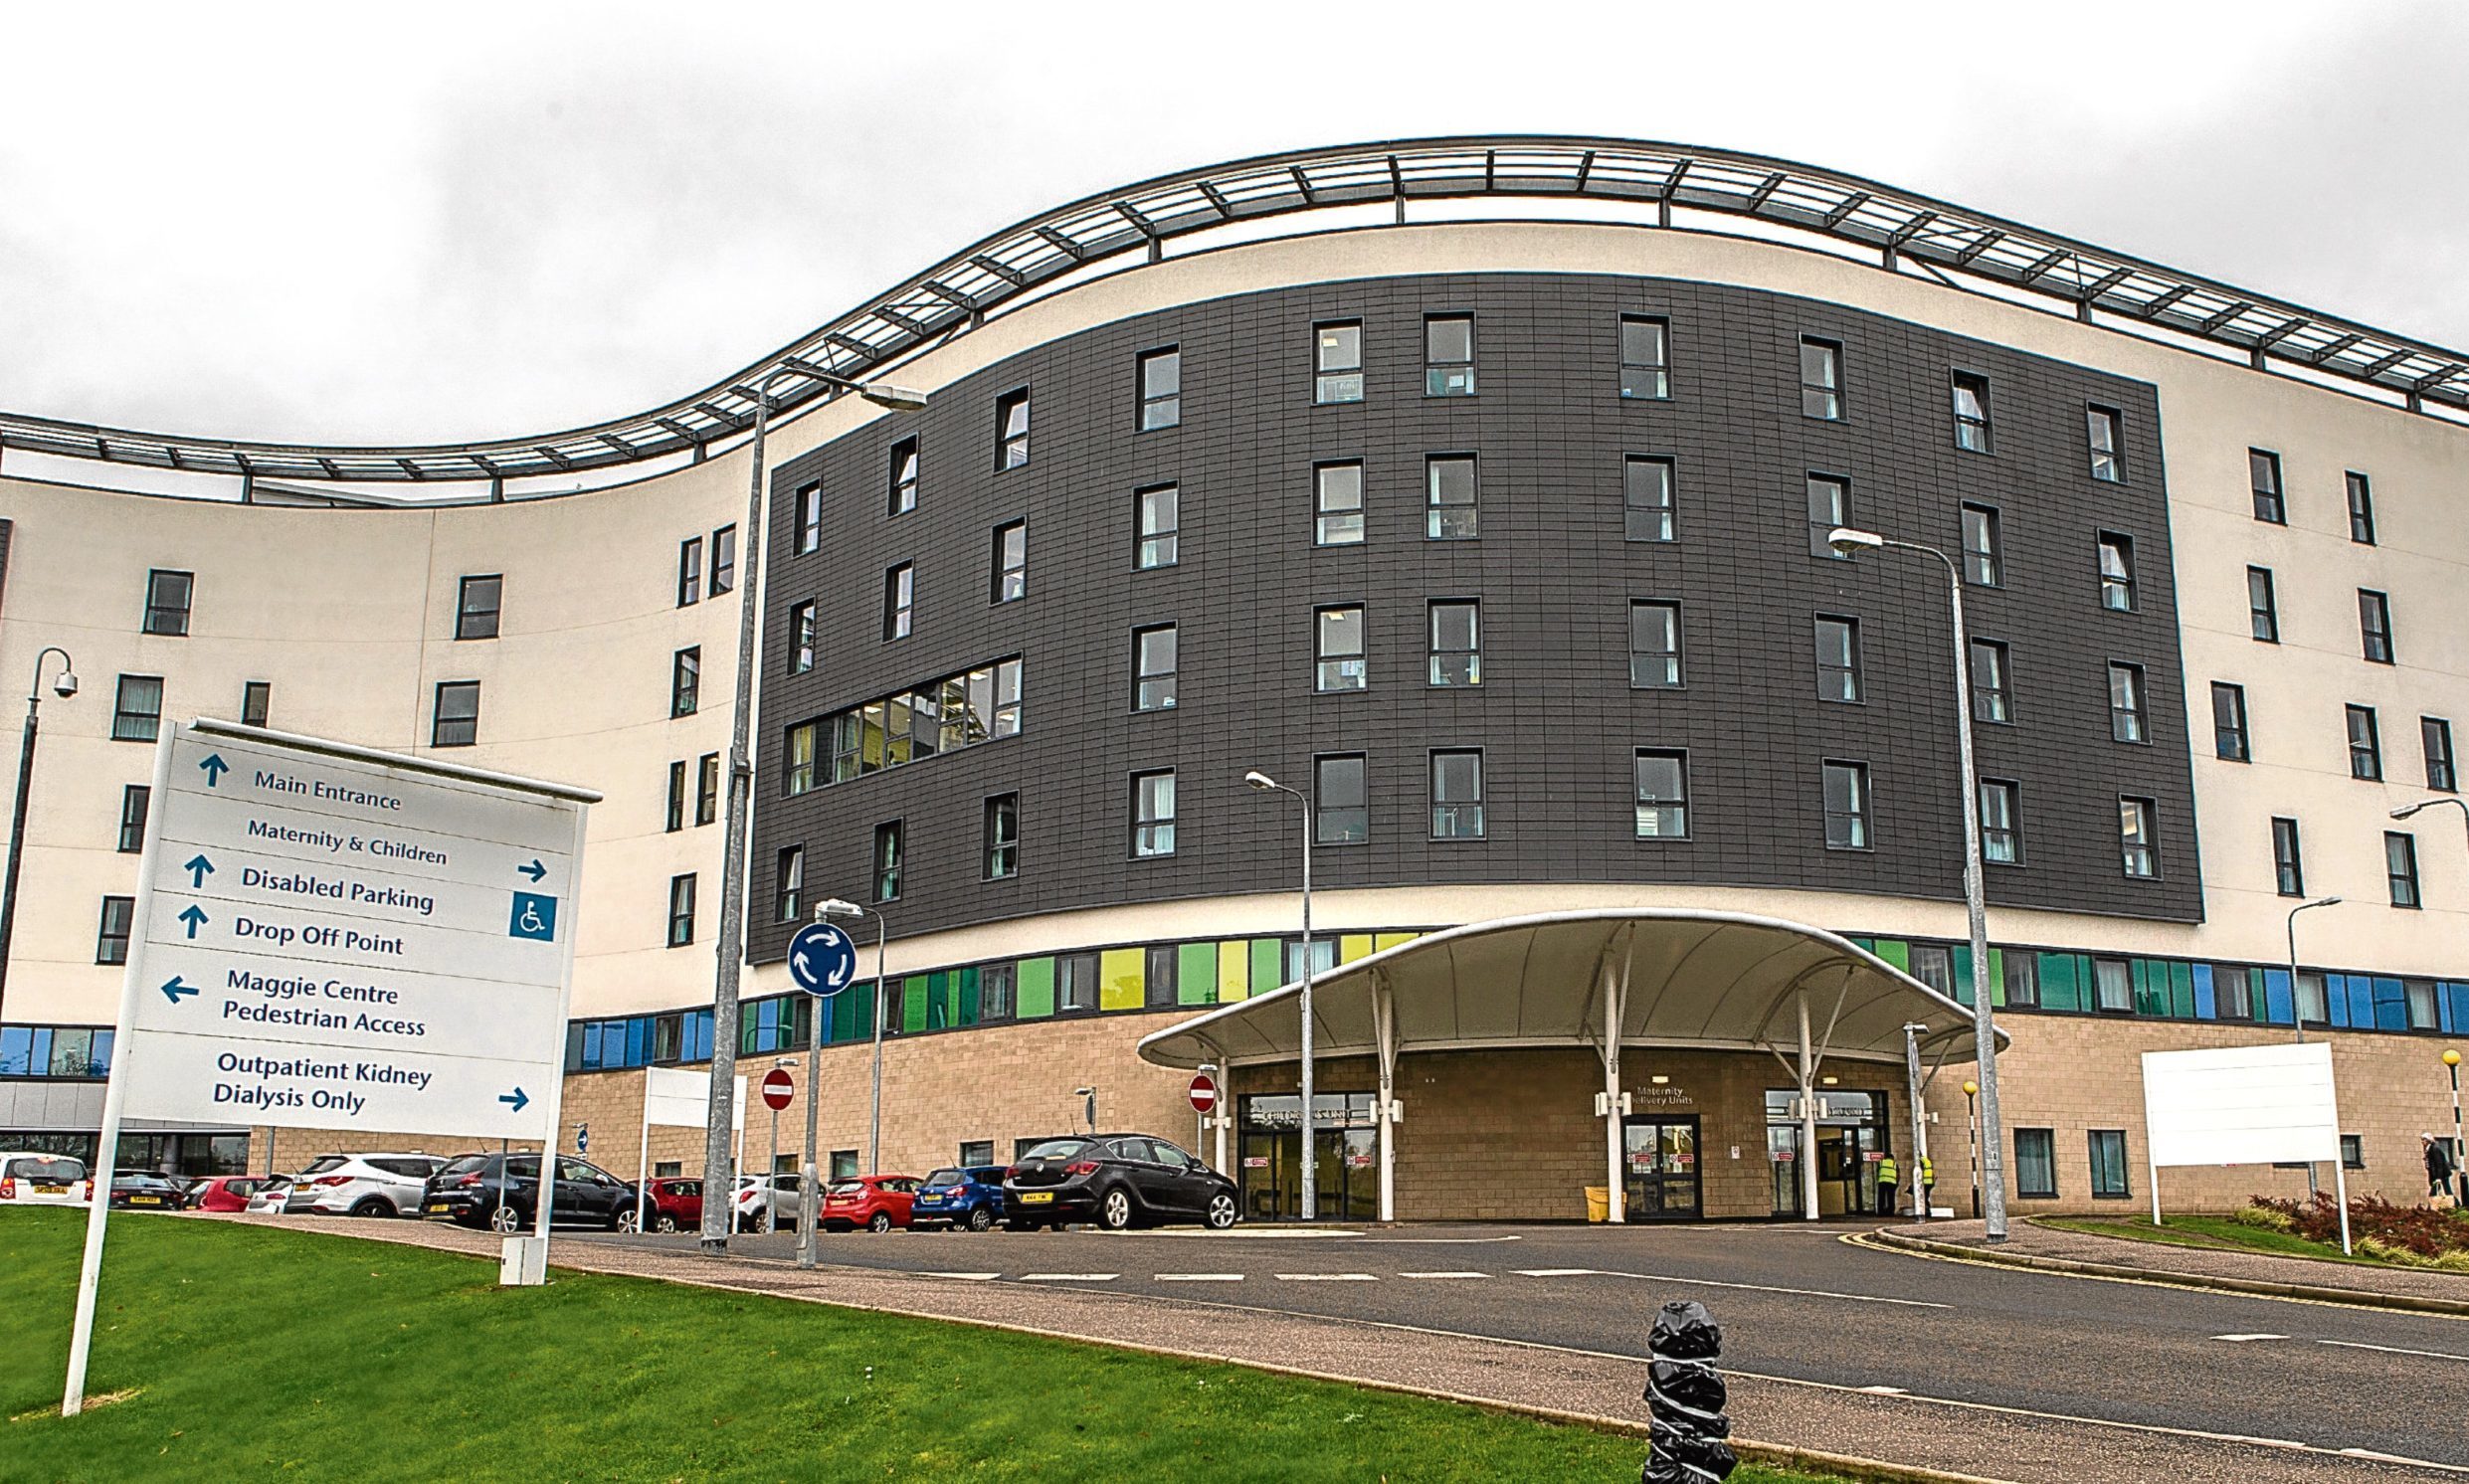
{"x": 389, "y": 224}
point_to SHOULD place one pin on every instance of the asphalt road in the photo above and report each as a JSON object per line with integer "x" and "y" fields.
{"x": 1795, "y": 1303}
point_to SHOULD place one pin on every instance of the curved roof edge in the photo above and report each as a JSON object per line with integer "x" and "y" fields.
{"x": 1933, "y": 237}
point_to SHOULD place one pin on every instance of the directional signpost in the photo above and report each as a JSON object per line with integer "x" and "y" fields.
{"x": 332, "y": 937}
{"x": 822, "y": 959}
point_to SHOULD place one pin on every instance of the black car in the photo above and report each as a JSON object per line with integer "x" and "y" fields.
{"x": 1118, "y": 1181}
{"x": 145, "y": 1190}
{"x": 502, "y": 1193}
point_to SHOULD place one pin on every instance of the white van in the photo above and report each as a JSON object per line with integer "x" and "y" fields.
{"x": 28, "y": 1179}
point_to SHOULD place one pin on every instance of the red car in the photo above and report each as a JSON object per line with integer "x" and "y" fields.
{"x": 877, "y": 1202}
{"x": 226, "y": 1192}
{"x": 676, "y": 1206}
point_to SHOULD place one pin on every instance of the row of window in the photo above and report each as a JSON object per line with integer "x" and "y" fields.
{"x": 80, "y": 1052}
{"x": 170, "y": 594}
{"x": 2234, "y": 743}
{"x": 2374, "y": 628}
{"x": 723, "y": 550}
{"x": 137, "y": 710}
{"x": 2399, "y": 863}
{"x": 2270, "y": 505}
{"x": 943, "y": 715}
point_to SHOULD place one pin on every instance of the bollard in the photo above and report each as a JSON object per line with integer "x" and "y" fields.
{"x": 1686, "y": 1396}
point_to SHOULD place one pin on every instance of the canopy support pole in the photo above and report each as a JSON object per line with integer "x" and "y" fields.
{"x": 1809, "y": 1117}
{"x": 1615, "y": 987}
{"x": 1384, "y": 1037}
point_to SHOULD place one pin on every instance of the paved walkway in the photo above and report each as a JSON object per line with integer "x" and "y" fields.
{"x": 2029, "y": 1240}
{"x": 1833, "y": 1427}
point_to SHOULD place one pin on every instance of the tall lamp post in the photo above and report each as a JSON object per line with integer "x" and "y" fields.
{"x": 719, "y": 1158}
{"x": 838, "y": 907}
{"x": 1311, "y": 1169}
{"x": 66, "y": 685}
{"x": 2297, "y": 1012}
{"x": 1847, "y": 541}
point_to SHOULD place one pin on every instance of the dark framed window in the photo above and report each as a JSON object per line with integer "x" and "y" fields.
{"x": 2036, "y": 1163}
{"x": 1969, "y": 393}
{"x": 707, "y": 788}
{"x": 1158, "y": 976}
{"x": 1822, "y": 378}
{"x": 1992, "y": 693}
{"x": 134, "y": 799}
{"x": 677, "y": 796}
{"x": 2262, "y": 608}
{"x": 2401, "y": 869}
{"x": 2127, "y": 719}
{"x": 1646, "y": 498}
{"x": 1337, "y": 362}
{"x": 789, "y": 885}
{"x": 1153, "y": 813}
{"x": 890, "y": 855}
{"x": 2002, "y": 821}
{"x": 1448, "y": 355}
{"x": 1075, "y": 983}
{"x": 802, "y": 637}
{"x": 1662, "y": 779}
{"x": 1161, "y": 388}
{"x": 475, "y": 607}
{"x": 2420, "y": 999}
{"x": 1336, "y": 648}
{"x": 1450, "y": 513}
{"x": 998, "y": 998}
{"x": 899, "y": 600}
{"x": 2288, "y": 859}
{"x": 1157, "y": 521}
{"x": 686, "y": 680}
{"x": 1984, "y": 556}
{"x": 169, "y": 595}
{"x": 257, "y": 701}
{"x": 455, "y": 718}
{"x": 1844, "y": 792}
{"x": 2022, "y": 976}
{"x": 2352, "y": 1152}
{"x": 2109, "y": 1164}
{"x": 1456, "y": 634}
{"x": 1154, "y": 660}
{"x": 2375, "y": 625}
{"x": 808, "y": 519}
{"x": 2435, "y": 734}
{"x": 2360, "y": 509}
{"x": 1457, "y": 794}
{"x": 2139, "y": 849}
{"x": 2230, "y": 740}
{"x": 1001, "y": 838}
{"x": 1933, "y": 964}
{"x": 2113, "y": 986}
{"x": 2365, "y": 745}
{"x": 690, "y": 571}
{"x": 1653, "y": 645}
{"x": 1646, "y": 358}
{"x": 1341, "y": 800}
{"x": 2116, "y": 571}
{"x": 1829, "y": 505}
{"x": 723, "y": 560}
{"x": 137, "y": 708}
{"x": 1009, "y": 582}
{"x": 1011, "y": 429}
{"x": 1337, "y": 504}
{"x": 2105, "y": 434}
{"x": 2263, "y": 473}
{"x": 1838, "y": 659}
{"x": 2234, "y": 991}
{"x": 681, "y": 910}
{"x": 111, "y": 932}
{"x": 798, "y": 748}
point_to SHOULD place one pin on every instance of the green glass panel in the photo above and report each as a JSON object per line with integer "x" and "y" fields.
{"x": 913, "y": 1003}
{"x": 1268, "y": 972}
{"x": 1894, "y": 951}
{"x": 969, "y": 1001}
{"x": 1997, "y": 975}
{"x": 1959, "y": 960}
{"x": 2151, "y": 987}
{"x": 2061, "y": 981}
{"x": 1035, "y": 994}
{"x": 2182, "y": 988}
{"x": 1196, "y": 973}
{"x": 1865, "y": 945}
{"x": 939, "y": 1001}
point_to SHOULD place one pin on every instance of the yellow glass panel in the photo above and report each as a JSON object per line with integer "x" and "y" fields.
{"x": 1121, "y": 979}
{"x": 1233, "y": 971}
{"x": 1354, "y": 945}
{"x": 1392, "y": 939}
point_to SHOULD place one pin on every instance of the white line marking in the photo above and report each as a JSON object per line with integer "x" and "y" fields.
{"x": 1200, "y": 1277}
{"x": 1438, "y": 1241}
{"x": 1069, "y": 1277}
{"x": 968, "y": 1277}
{"x": 1443, "y": 1275}
{"x": 1556, "y": 1272}
{"x": 1854, "y": 1298}
{"x": 2432, "y": 1355}
{"x": 2247, "y": 1339}
{"x": 1326, "y": 1278}
{"x": 1883, "y": 1391}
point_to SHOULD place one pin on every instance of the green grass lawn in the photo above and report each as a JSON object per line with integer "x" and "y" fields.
{"x": 2216, "y": 1232}
{"x": 253, "y": 1352}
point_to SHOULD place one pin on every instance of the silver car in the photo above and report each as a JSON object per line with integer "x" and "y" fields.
{"x": 361, "y": 1184}
{"x": 767, "y": 1203}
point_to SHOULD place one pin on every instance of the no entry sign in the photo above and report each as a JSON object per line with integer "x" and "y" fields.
{"x": 778, "y": 1087}
{"x": 1204, "y": 1094}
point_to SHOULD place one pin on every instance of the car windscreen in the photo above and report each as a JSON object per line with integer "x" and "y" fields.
{"x": 323, "y": 1162}
{"x": 947, "y": 1178}
{"x": 1057, "y": 1149}
{"x": 44, "y": 1171}
{"x": 464, "y": 1165}
{"x": 849, "y": 1187}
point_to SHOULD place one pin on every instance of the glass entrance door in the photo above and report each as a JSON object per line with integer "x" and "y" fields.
{"x": 1345, "y": 1148}
{"x": 1658, "y": 1166}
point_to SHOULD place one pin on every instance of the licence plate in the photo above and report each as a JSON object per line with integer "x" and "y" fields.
{"x": 930, "y": 1200}
{"x": 145, "y": 1200}
{"x": 50, "y": 1189}
{"x": 1036, "y": 1198}
{"x": 439, "y": 1208}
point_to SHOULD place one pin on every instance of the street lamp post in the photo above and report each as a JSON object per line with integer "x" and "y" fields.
{"x": 719, "y": 1157}
{"x": 841, "y": 907}
{"x": 2297, "y": 1011}
{"x": 1847, "y": 541}
{"x": 65, "y": 684}
{"x": 1971, "y": 1143}
{"x": 1312, "y": 1172}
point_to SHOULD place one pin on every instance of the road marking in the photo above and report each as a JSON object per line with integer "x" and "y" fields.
{"x": 968, "y": 1277}
{"x": 1200, "y": 1277}
{"x": 1855, "y": 1298}
{"x": 1326, "y": 1278}
{"x": 1883, "y": 1391}
{"x": 1438, "y": 1241}
{"x": 2247, "y": 1339}
{"x": 1556, "y": 1272}
{"x": 1443, "y": 1275}
{"x": 2432, "y": 1355}
{"x": 1069, "y": 1277}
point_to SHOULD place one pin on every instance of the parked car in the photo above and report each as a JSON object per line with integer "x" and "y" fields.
{"x": 502, "y": 1193}
{"x": 767, "y": 1203}
{"x": 877, "y": 1202}
{"x": 28, "y": 1179}
{"x": 674, "y": 1206}
{"x": 361, "y": 1184}
{"x": 269, "y": 1199}
{"x": 1118, "y": 1181}
{"x": 227, "y": 1192}
{"x": 961, "y": 1195}
{"x": 145, "y": 1190}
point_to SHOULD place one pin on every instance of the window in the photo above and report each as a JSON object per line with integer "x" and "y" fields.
{"x": 1341, "y": 800}
{"x": 455, "y": 721}
{"x": 1838, "y": 659}
{"x": 1653, "y": 645}
{"x": 681, "y": 910}
{"x": 1992, "y": 699}
{"x": 1337, "y": 362}
{"x": 1075, "y": 983}
{"x": 1158, "y": 976}
{"x": 998, "y": 992}
{"x": 2113, "y": 986}
{"x": 1448, "y": 355}
{"x": 1161, "y": 388}
{"x": 1002, "y": 837}
{"x": 676, "y": 795}
{"x": 1153, "y": 668}
{"x": 2002, "y": 821}
{"x": 2263, "y": 472}
{"x": 1337, "y": 650}
{"x": 802, "y": 637}
{"x": 476, "y": 611}
{"x": 1456, "y": 642}
{"x": 1337, "y": 504}
{"x": 2022, "y": 976}
{"x": 1156, "y": 515}
{"x": 1153, "y": 813}
{"x": 2366, "y": 746}
{"x": 2109, "y": 1164}
{"x": 1646, "y": 358}
{"x": 2422, "y": 1004}
{"x": 2117, "y": 572}
{"x": 133, "y": 800}
{"x": 808, "y": 519}
{"x": 2435, "y": 735}
{"x": 167, "y": 603}
{"x": 2360, "y": 509}
{"x": 1829, "y": 505}
{"x": 2375, "y": 625}
{"x": 900, "y": 495}
{"x": 723, "y": 560}
{"x": 1970, "y": 395}
{"x": 2400, "y": 867}
{"x": 1010, "y": 566}
{"x": 1822, "y": 380}
{"x": 1662, "y": 795}
{"x": 1933, "y": 964}
{"x": 899, "y": 600}
{"x": 2104, "y": 428}
{"x": 1448, "y": 501}
{"x": 2262, "y": 612}
{"x": 2229, "y": 741}
{"x": 1846, "y": 794}
{"x": 789, "y": 885}
{"x": 690, "y": 571}
{"x": 1984, "y": 558}
{"x": 942, "y": 715}
{"x": 2234, "y": 991}
{"x": 2127, "y": 722}
{"x": 137, "y": 709}
{"x": 890, "y": 840}
{"x": 1457, "y": 795}
{"x": 256, "y": 698}
{"x": 2352, "y": 1152}
{"x": 843, "y": 1164}
{"x": 2036, "y": 1163}
{"x": 2313, "y": 1004}
{"x": 1647, "y": 499}
{"x": 111, "y": 933}
{"x": 707, "y": 788}
{"x": 686, "y": 680}
{"x": 1011, "y": 429}
{"x": 2288, "y": 859}
{"x": 2138, "y": 853}
{"x": 798, "y": 766}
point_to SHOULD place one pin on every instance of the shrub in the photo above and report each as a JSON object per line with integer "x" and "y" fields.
{"x": 2421, "y": 1232}
{"x": 2263, "y": 1217}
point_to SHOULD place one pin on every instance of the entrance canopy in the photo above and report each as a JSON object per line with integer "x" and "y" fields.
{"x": 1723, "y": 981}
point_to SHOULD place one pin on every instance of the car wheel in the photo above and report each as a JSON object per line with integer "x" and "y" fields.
{"x": 667, "y": 1223}
{"x": 629, "y": 1219}
{"x": 1221, "y": 1211}
{"x": 505, "y": 1220}
{"x": 1114, "y": 1210}
{"x": 981, "y": 1220}
{"x": 373, "y": 1205}
{"x": 880, "y": 1222}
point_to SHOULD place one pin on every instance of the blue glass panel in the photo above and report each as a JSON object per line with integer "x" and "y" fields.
{"x": 638, "y": 1041}
{"x": 2277, "y": 1007}
{"x": 16, "y": 1050}
{"x": 102, "y": 1054}
{"x": 40, "y": 1062}
{"x": 2360, "y": 1003}
{"x": 2391, "y": 1006}
{"x": 2205, "y": 1008}
{"x": 591, "y": 1045}
{"x": 2455, "y": 999}
{"x": 2335, "y": 998}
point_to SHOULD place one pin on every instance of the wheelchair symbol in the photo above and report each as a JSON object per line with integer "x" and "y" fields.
{"x": 535, "y": 917}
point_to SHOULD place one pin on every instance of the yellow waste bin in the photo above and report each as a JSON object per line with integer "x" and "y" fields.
{"x": 1599, "y": 1202}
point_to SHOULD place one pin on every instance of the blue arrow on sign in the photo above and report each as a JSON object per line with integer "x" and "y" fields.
{"x": 215, "y": 768}
{"x": 536, "y": 871}
{"x": 514, "y": 1100}
{"x": 822, "y": 959}
{"x": 194, "y": 918}
{"x": 199, "y": 868}
{"x": 176, "y": 990}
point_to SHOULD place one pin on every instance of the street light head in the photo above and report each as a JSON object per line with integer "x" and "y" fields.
{"x": 1083, "y": 1091}
{"x": 2406, "y": 809}
{"x": 1210, "y": 1066}
{"x": 2327, "y": 901}
{"x": 838, "y": 907}
{"x": 1259, "y": 780}
{"x": 899, "y": 398}
{"x": 1846, "y": 540}
{"x": 66, "y": 687}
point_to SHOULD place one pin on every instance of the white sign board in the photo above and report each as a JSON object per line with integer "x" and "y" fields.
{"x": 675, "y": 1098}
{"x": 2242, "y": 1105}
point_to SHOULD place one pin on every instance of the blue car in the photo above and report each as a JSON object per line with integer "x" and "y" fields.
{"x": 956, "y": 1198}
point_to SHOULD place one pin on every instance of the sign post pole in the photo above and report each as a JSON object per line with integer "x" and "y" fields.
{"x": 823, "y": 959}
{"x": 642, "y": 1158}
